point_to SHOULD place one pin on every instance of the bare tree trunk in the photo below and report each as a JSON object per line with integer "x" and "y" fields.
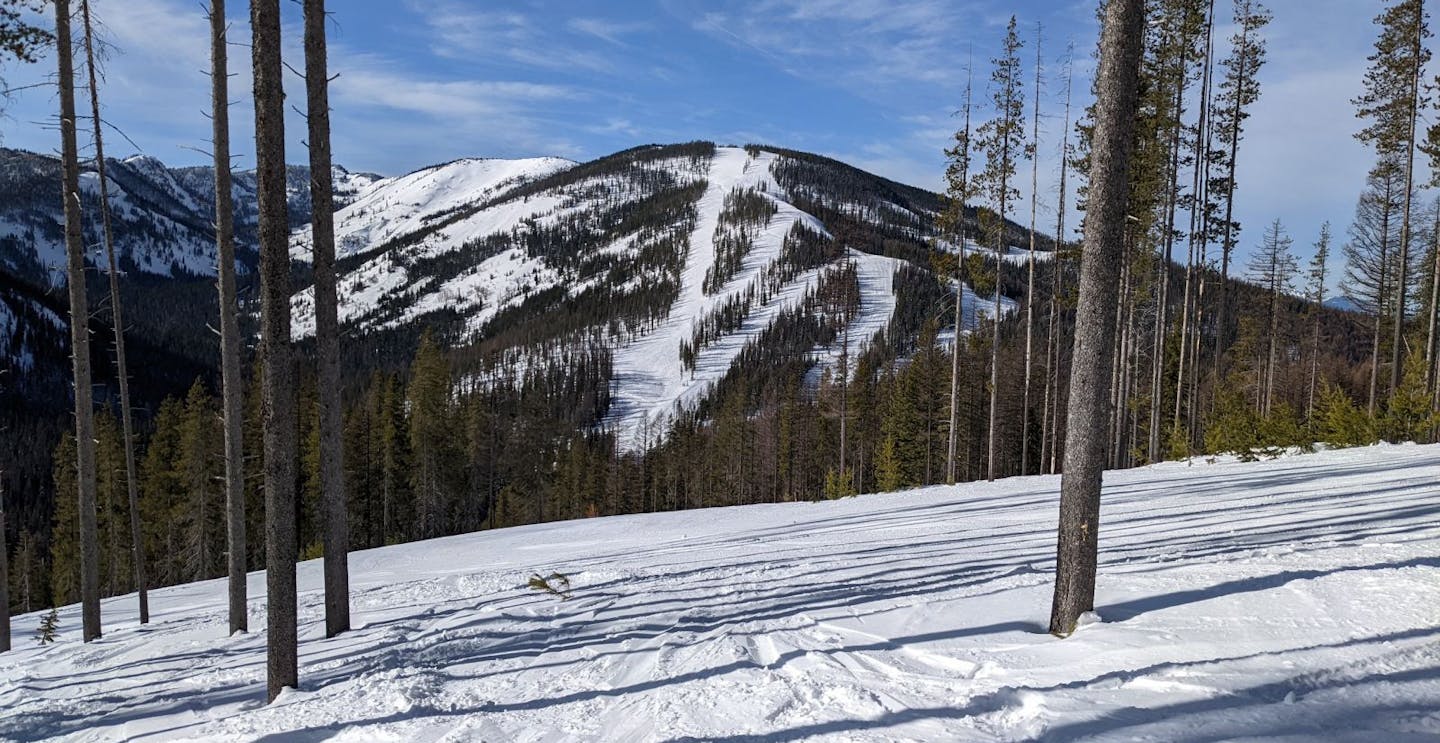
{"x": 4, "y": 574}
{"x": 327, "y": 326}
{"x": 122, "y": 370}
{"x": 1162, "y": 309}
{"x": 1195, "y": 266}
{"x": 1397, "y": 352}
{"x": 992, "y": 446}
{"x": 1430, "y": 337}
{"x": 1049, "y": 459}
{"x": 233, "y": 402}
{"x": 79, "y": 330}
{"x": 951, "y": 452}
{"x": 277, "y": 384}
{"x": 1030, "y": 286}
{"x": 1077, "y": 551}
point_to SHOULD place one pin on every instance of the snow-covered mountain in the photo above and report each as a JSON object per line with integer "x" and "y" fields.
{"x": 162, "y": 216}
{"x": 1345, "y": 304}
{"x": 1288, "y": 600}
{"x": 674, "y": 259}
{"x": 668, "y": 266}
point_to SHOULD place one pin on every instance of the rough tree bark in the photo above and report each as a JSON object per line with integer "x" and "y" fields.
{"x": 231, "y": 379}
{"x": 277, "y": 376}
{"x": 79, "y": 331}
{"x": 4, "y": 574}
{"x": 122, "y": 369}
{"x": 327, "y": 326}
{"x": 1116, "y": 85}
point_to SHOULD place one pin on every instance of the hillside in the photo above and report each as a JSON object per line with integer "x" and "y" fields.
{"x": 1285, "y": 600}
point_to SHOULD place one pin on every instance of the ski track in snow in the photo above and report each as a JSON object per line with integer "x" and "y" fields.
{"x": 1287, "y": 600}
{"x": 650, "y": 381}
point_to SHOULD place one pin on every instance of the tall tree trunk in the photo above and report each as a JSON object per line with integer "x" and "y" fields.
{"x": 1162, "y": 308}
{"x": 1222, "y": 315}
{"x": 1434, "y": 309}
{"x": 1030, "y": 285}
{"x": 992, "y": 446}
{"x": 79, "y": 331}
{"x": 953, "y": 442}
{"x": 1195, "y": 267}
{"x": 327, "y": 326}
{"x": 277, "y": 374}
{"x": 122, "y": 369}
{"x": 4, "y": 574}
{"x": 1049, "y": 460}
{"x": 1380, "y": 299}
{"x": 1397, "y": 351}
{"x": 233, "y": 402}
{"x": 1077, "y": 550}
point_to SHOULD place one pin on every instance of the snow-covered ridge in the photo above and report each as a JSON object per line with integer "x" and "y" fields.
{"x": 1284, "y": 600}
{"x": 393, "y": 207}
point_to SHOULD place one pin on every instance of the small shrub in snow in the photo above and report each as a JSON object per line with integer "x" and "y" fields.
{"x": 49, "y": 627}
{"x": 556, "y": 584}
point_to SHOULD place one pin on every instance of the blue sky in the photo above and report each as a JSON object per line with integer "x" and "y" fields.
{"x": 872, "y": 82}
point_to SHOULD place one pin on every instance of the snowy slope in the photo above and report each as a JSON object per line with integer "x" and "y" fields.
{"x": 651, "y": 381}
{"x": 397, "y": 206}
{"x": 1287, "y": 600}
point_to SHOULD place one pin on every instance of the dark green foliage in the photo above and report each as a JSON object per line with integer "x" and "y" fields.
{"x": 49, "y": 627}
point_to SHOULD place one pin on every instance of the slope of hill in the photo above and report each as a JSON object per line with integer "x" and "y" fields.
{"x": 673, "y": 260}
{"x": 1285, "y": 600}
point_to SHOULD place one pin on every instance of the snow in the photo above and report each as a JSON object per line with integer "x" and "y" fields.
{"x": 1293, "y": 599}
{"x": 389, "y": 208}
{"x": 650, "y": 381}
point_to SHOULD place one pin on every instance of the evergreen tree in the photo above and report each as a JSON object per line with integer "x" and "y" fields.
{"x": 1077, "y": 552}
{"x": 1370, "y": 256}
{"x": 1238, "y": 92}
{"x": 1390, "y": 107}
{"x": 1273, "y": 268}
{"x": 233, "y": 402}
{"x": 49, "y": 627}
{"x": 1315, "y": 292}
{"x": 431, "y": 436}
{"x": 1002, "y": 140}
{"x": 278, "y": 378}
{"x": 79, "y": 332}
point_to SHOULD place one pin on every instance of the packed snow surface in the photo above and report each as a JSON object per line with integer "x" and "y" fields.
{"x": 1296, "y": 599}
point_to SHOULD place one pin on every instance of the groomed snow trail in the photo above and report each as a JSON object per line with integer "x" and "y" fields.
{"x": 1288, "y": 600}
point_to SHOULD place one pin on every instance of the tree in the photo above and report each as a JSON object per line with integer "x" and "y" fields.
{"x": 18, "y": 38}
{"x": 50, "y": 623}
{"x": 958, "y": 193}
{"x": 1239, "y": 90}
{"x": 4, "y": 574}
{"x": 277, "y": 385}
{"x": 1272, "y": 267}
{"x": 327, "y": 330}
{"x": 1002, "y": 139}
{"x": 1391, "y": 105}
{"x": 1316, "y": 294}
{"x": 1370, "y": 256}
{"x": 231, "y": 381}
{"x": 431, "y": 437}
{"x": 118, "y": 322}
{"x": 1030, "y": 282}
{"x": 1077, "y": 551}
{"x": 79, "y": 332}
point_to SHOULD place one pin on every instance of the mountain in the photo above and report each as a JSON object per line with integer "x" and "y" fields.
{"x": 907, "y": 616}
{"x": 669, "y": 261}
{"x": 1345, "y": 304}
{"x": 162, "y": 217}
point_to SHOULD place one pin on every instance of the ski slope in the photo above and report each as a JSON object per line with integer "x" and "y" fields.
{"x": 1296, "y": 599}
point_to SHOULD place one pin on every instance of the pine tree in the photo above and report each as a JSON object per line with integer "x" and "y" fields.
{"x": 1077, "y": 553}
{"x": 49, "y": 627}
{"x": 277, "y": 388}
{"x": 431, "y": 435}
{"x": 1390, "y": 106}
{"x": 1002, "y": 140}
{"x": 79, "y": 332}
{"x": 4, "y": 573}
{"x": 233, "y": 402}
{"x": 1315, "y": 292}
{"x": 1030, "y": 279}
{"x": 137, "y": 555}
{"x": 327, "y": 330}
{"x": 1272, "y": 267}
{"x": 1370, "y": 257}
{"x": 958, "y": 193}
{"x": 1239, "y": 90}
{"x": 1339, "y": 422}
